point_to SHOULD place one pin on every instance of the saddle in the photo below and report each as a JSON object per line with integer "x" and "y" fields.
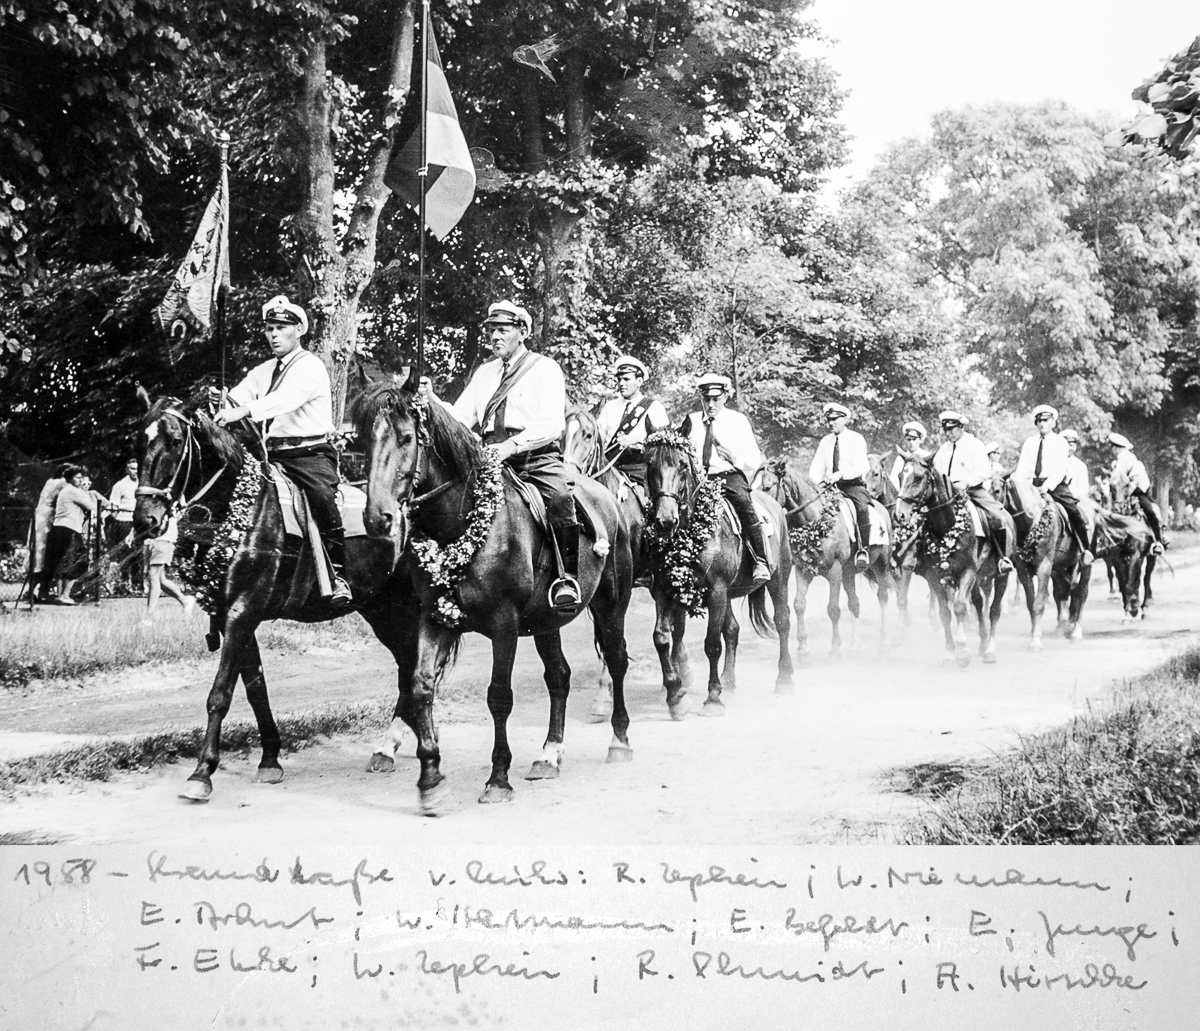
{"x": 589, "y": 525}
{"x": 770, "y": 541}
{"x": 878, "y": 517}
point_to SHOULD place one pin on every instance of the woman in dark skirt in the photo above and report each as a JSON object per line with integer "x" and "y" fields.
{"x": 66, "y": 554}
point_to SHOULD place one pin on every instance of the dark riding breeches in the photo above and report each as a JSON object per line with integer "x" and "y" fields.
{"x": 857, "y": 492}
{"x": 1151, "y": 517}
{"x": 544, "y": 468}
{"x": 1064, "y": 497}
{"x": 736, "y": 488}
{"x": 993, "y": 515}
{"x": 314, "y": 470}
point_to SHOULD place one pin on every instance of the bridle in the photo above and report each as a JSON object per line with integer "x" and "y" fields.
{"x": 920, "y": 505}
{"x": 420, "y": 465}
{"x": 173, "y": 491}
{"x": 655, "y": 495}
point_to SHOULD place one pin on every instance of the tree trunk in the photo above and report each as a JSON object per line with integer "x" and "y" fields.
{"x": 531, "y": 121}
{"x": 332, "y": 274}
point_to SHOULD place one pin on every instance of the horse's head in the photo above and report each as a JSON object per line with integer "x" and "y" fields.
{"x": 770, "y": 476}
{"x": 918, "y": 486}
{"x": 582, "y": 446}
{"x": 671, "y": 478}
{"x": 1021, "y": 497}
{"x": 390, "y": 420}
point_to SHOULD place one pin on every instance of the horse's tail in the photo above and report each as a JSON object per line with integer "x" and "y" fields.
{"x": 764, "y": 626}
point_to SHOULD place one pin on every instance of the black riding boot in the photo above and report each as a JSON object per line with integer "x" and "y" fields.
{"x": 1000, "y": 542}
{"x": 862, "y": 558}
{"x": 565, "y": 594}
{"x": 335, "y": 548}
{"x": 761, "y": 573}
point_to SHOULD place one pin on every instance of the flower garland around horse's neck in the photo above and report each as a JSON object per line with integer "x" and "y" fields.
{"x": 447, "y": 565}
{"x": 677, "y": 558}
{"x": 941, "y": 548}
{"x": 1038, "y": 534}
{"x": 808, "y": 538}
{"x": 207, "y": 576}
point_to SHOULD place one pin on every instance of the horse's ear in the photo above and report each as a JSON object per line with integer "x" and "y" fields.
{"x": 142, "y": 396}
{"x": 412, "y": 381}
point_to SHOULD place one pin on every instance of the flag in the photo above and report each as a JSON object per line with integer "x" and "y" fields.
{"x": 192, "y": 296}
{"x": 450, "y": 184}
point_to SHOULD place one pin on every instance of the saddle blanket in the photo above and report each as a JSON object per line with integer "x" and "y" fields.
{"x": 590, "y": 526}
{"x": 351, "y": 503}
{"x": 770, "y": 542}
{"x": 878, "y": 517}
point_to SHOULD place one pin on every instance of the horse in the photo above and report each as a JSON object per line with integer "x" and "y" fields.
{"x": 1048, "y": 555}
{"x": 821, "y": 545}
{"x": 700, "y": 564}
{"x": 191, "y": 464}
{"x": 955, "y": 563}
{"x": 583, "y": 448}
{"x": 431, "y": 485}
{"x": 1125, "y": 543}
{"x": 882, "y": 489}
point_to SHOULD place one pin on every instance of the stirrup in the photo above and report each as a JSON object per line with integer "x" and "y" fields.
{"x": 1004, "y": 565}
{"x": 565, "y": 594}
{"x": 1157, "y": 548}
{"x": 862, "y": 559}
{"x": 760, "y": 574}
{"x": 341, "y": 597}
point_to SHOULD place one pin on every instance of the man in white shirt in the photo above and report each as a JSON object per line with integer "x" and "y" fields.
{"x": 119, "y": 528}
{"x": 963, "y": 460}
{"x": 724, "y": 441}
{"x": 626, "y": 421}
{"x": 998, "y": 471}
{"x": 1043, "y": 463}
{"x": 914, "y": 436}
{"x": 1077, "y": 473}
{"x": 841, "y": 460}
{"x": 291, "y": 394}
{"x": 517, "y": 403}
{"x": 1130, "y": 479}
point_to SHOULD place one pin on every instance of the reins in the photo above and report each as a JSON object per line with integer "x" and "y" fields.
{"x": 190, "y": 447}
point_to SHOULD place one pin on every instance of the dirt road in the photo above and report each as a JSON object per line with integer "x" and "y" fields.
{"x": 774, "y": 770}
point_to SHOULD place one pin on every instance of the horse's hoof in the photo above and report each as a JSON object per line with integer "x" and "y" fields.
{"x": 713, "y": 707}
{"x": 196, "y": 791}
{"x": 542, "y": 770}
{"x": 496, "y": 793}
{"x": 1035, "y": 646}
{"x": 268, "y": 775}
{"x": 804, "y": 659}
{"x": 947, "y": 662}
{"x": 619, "y": 754}
{"x": 1074, "y": 633}
{"x": 380, "y": 763}
{"x": 680, "y": 707}
{"x": 433, "y": 799}
{"x": 785, "y": 687}
{"x": 962, "y": 660}
{"x": 988, "y": 657}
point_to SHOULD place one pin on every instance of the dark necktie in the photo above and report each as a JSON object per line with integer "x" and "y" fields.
{"x": 950, "y": 464}
{"x": 1037, "y": 466}
{"x": 837, "y": 452}
{"x": 276, "y": 375}
{"x": 707, "y": 450}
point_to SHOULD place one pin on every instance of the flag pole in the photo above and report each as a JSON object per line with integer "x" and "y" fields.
{"x": 422, "y": 179}
{"x": 223, "y": 141}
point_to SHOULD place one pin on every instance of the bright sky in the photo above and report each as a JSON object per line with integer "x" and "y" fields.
{"x": 904, "y": 60}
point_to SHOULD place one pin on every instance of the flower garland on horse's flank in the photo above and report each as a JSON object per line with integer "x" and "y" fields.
{"x": 447, "y": 565}
{"x": 807, "y": 539}
{"x": 1039, "y": 532}
{"x": 677, "y": 558}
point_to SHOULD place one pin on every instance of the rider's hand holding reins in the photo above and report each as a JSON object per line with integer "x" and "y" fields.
{"x": 228, "y": 415}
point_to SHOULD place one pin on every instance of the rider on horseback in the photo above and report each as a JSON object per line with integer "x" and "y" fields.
{"x": 914, "y": 436}
{"x": 1077, "y": 479}
{"x": 626, "y": 421}
{"x": 1043, "y": 463}
{"x": 1130, "y": 479}
{"x": 841, "y": 460}
{"x": 291, "y": 395}
{"x": 517, "y": 404}
{"x": 963, "y": 460}
{"x": 724, "y": 440}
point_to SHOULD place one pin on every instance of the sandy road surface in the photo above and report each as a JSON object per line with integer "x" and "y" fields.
{"x": 774, "y": 770}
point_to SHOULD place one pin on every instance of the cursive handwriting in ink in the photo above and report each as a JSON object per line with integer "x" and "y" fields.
{"x": 265, "y": 962}
{"x": 828, "y": 929}
{"x": 243, "y": 916}
{"x": 715, "y": 875}
{"x": 329, "y": 881}
{"x": 726, "y": 967}
{"x": 1012, "y": 877}
{"x": 1093, "y": 977}
{"x": 157, "y": 867}
{"x": 515, "y": 922}
{"x": 1128, "y": 934}
{"x": 536, "y": 875}
{"x": 480, "y": 966}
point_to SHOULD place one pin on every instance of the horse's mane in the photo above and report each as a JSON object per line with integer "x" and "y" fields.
{"x": 453, "y": 443}
{"x": 225, "y": 443}
{"x": 664, "y": 441}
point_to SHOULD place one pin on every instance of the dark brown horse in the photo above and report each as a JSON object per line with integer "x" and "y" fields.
{"x": 935, "y": 523}
{"x": 821, "y": 546}
{"x": 1048, "y": 557}
{"x": 714, "y": 570}
{"x": 1124, "y": 542}
{"x": 190, "y": 464}
{"x": 433, "y": 487}
{"x": 583, "y": 448}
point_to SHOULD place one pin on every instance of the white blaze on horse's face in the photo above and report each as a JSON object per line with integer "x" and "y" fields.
{"x": 152, "y": 430}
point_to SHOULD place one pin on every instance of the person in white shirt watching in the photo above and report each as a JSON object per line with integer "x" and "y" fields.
{"x": 963, "y": 460}
{"x": 841, "y": 460}
{"x": 291, "y": 394}
{"x": 517, "y": 403}
{"x": 723, "y": 439}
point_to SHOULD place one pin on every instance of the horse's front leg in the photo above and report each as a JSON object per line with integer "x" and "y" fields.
{"x": 836, "y": 576}
{"x": 558, "y": 684}
{"x": 850, "y": 583}
{"x": 718, "y": 606}
{"x": 903, "y": 582}
{"x": 999, "y": 590}
{"x": 962, "y": 654}
{"x": 883, "y": 585}
{"x": 669, "y": 624}
{"x": 1037, "y": 609}
{"x": 1077, "y": 598}
{"x": 602, "y": 702}
{"x": 239, "y": 632}
{"x": 500, "y": 704}
{"x": 730, "y": 632}
{"x": 434, "y": 647}
{"x": 398, "y": 629}
{"x": 939, "y": 595}
{"x": 804, "y": 579}
{"x": 251, "y": 672}
{"x": 778, "y": 590}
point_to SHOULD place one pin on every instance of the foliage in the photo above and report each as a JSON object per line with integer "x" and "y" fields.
{"x": 808, "y": 538}
{"x": 1170, "y": 102}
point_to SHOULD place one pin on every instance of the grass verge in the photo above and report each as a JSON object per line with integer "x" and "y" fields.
{"x": 100, "y": 760}
{"x": 1126, "y": 775}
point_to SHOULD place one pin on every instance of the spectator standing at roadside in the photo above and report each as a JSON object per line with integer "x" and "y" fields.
{"x": 118, "y": 532}
{"x": 160, "y": 553}
{"x": 66, "y": 553}
{"x": 42, "y": 575}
